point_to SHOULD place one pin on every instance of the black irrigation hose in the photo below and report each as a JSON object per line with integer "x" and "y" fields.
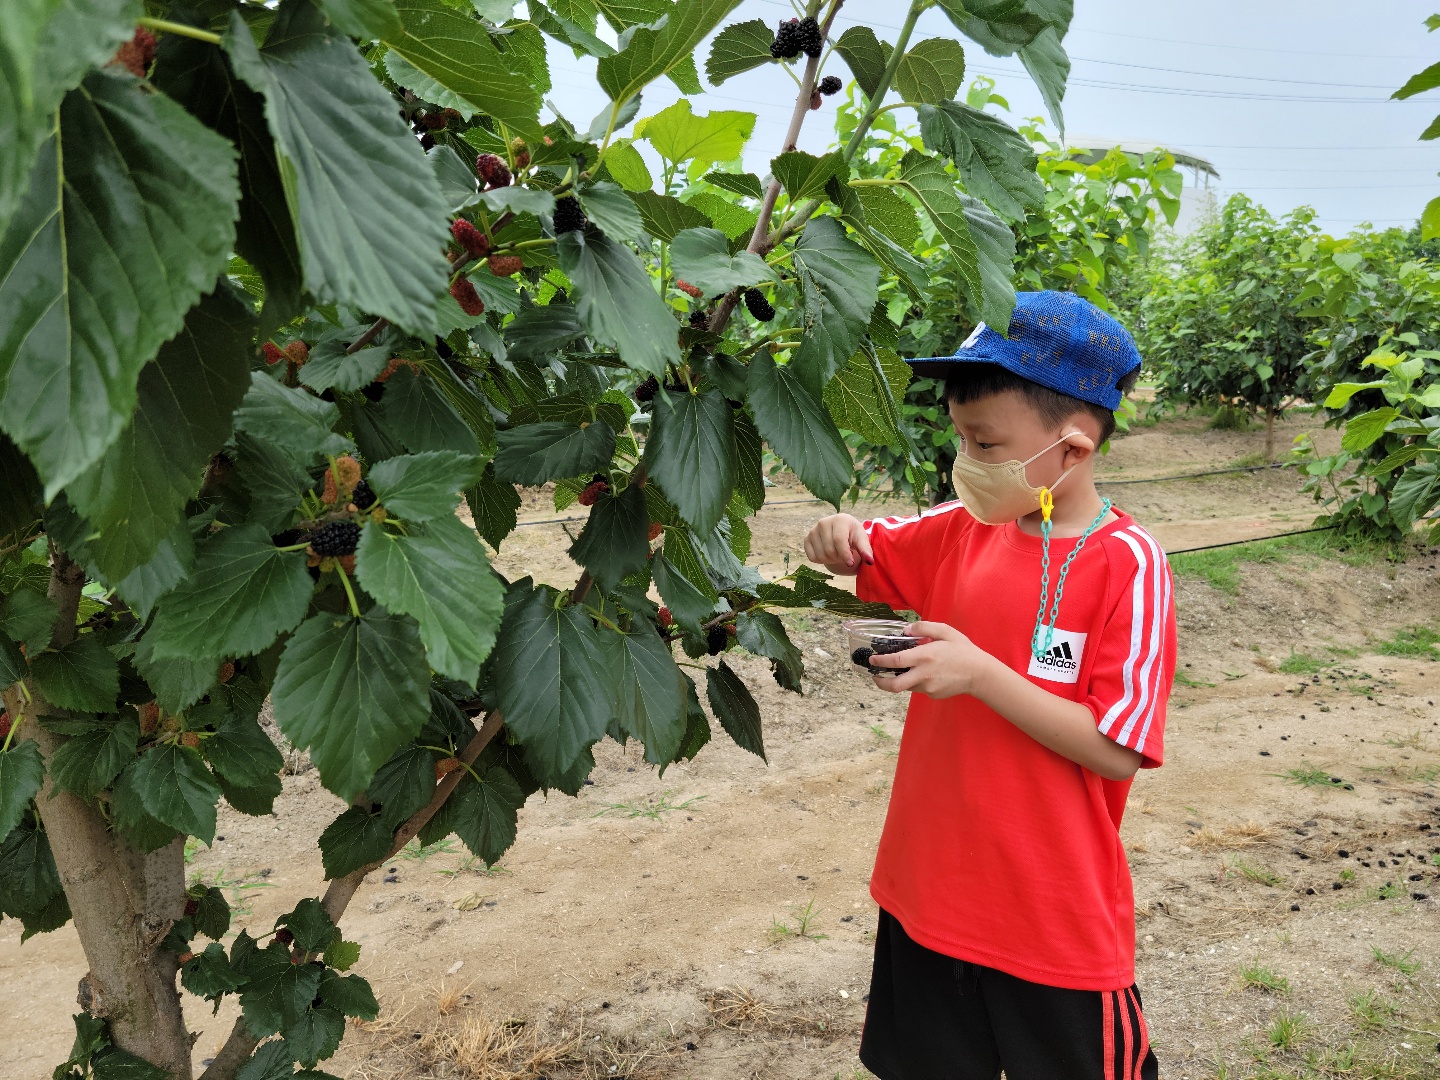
{"x": 1252, "y": 540}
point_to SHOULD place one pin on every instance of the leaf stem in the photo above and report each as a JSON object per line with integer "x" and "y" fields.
{"x": 349, "y": 592}
{"x": 165, "y": 26}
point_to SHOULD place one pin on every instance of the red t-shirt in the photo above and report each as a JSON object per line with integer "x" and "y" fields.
{"x": 996, "y": 849}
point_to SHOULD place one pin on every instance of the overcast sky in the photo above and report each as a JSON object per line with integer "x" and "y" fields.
{"x": 1288, "y": 101}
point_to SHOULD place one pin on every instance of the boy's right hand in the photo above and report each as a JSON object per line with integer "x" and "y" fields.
{"x": 838, "y": 542}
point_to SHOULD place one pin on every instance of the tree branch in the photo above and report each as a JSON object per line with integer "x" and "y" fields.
{"x": 241, "y": 1043}
{"x": 759, "y": 237}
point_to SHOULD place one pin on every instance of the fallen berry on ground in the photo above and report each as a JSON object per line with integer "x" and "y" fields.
{"x": 493, "y": 170}
{"x": 505, "y": 265}
{"x": 569, "y": 217}
{"x": 463, "y": 290}
{"x": 470, "y": 238}
{"x": 593, "y": 490}
{"x": 335, "y": 538}
{"x": 830, "y": 84}
{"x": 758, "y": 306}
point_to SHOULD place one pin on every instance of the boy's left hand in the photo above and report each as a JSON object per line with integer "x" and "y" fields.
{"x": 945, "y": 666}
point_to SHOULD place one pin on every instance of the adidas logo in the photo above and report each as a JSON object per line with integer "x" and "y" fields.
{"x": 1061, "y": 662}
{"x": 1060, "y": 656}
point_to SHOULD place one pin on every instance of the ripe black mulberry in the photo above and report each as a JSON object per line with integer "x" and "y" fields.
{"x": 699, "y": 320}
{"x": 363, "y": 496}
{"x": 786, "y": 45}
{"x": 435, "y": 121}
{"x": 861, "y": 656}
{"x": 716, "y": 640}
{"x": 830, "y": 84}
{"x": 335, "y": 538}
{"x": 568, "y": 215}
{"x": 758, "y": 306}
{"x": 493, "y": 170}
{"x": 646, "y": 391}
{"x": 807, "y": 36}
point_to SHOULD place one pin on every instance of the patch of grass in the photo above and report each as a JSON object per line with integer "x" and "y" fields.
{"x": 1302, "y": 664}
{"x": 238, "y": 889}
{"x": 1416, "y": 641}
{"x": 414, "y": 852}
{"x": 1389, "y": 891}
{"x": 1309, "y": 776}
{"x": 1371, "y": 1010}
{"x": 1288, "y": 1030}
{"x": 1261, "y": 875}
{"x": 1400, "y": 962}
{"x": 1255, "y": 976}
{"x": 1221, "y": 566}
{"x": 1347, "y": 875}
{"x": 881, "y": 735}
{"x": 652, "y": 808}
{"x": 803, "y": 920}
{"x": 1181, "y": 679}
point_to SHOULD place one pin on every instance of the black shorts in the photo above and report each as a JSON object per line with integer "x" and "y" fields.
{"x": 932, "y": 1017}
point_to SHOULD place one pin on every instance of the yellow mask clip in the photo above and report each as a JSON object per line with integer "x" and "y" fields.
{"x": 1047, "y": 504}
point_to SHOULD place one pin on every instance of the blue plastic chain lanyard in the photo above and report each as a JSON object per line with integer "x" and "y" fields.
{"x": 1047, "y": 506}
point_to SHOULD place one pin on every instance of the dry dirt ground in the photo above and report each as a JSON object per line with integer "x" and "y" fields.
{"x": 715, "y": 922}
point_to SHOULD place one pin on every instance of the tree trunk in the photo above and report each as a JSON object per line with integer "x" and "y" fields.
{"x": 122, "y": 902}
{"x": 1269, "y": 436}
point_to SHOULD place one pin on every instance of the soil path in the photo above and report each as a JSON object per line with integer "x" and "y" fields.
{"x": 651, "y": 928}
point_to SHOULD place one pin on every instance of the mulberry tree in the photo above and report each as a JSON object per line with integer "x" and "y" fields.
{"x": 293, "y": 297}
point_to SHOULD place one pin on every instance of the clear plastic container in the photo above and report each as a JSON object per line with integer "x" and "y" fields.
{"x": 868, "y": 637}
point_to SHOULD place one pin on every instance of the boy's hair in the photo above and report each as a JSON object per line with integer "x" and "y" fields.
{"x": 971, "y": 382}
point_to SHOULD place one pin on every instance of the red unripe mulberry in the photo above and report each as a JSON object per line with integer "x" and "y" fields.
{"x": 149, "y": 718}
{"x": 655, "y": 530}
{"x": 4, "y": 725}
{"x": 689, "y": 290}
{"x": 191, "y": 740}
{"x": 593, "y": 490}
{"x": 475, "y": 242}
{"x": 465, "y": 295}
{"x": 664, "y": 617}
{"x": 227, "y": 671}
{"x": 492, "y": 169}
{"x": 272, "y": 352}
{"x": 505, "y": 265}
{"x": 445, "y": 766}
{"x": 137, "y": 54}
{"x": 297, "y": 352}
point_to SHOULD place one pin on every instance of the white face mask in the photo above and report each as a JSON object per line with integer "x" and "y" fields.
{"x": 997, "y": 493}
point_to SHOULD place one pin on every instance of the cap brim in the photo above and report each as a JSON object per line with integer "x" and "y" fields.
{"x": 938, "y": 367}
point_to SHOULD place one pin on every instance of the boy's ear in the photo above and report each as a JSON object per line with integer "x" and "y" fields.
{"x": 1076, "y": 437}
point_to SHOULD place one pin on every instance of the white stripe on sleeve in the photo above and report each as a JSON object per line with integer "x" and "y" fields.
{"x": 895, "y": 523}
{"x": 1150, "y": 669}
{"x": 1137, "y": 622}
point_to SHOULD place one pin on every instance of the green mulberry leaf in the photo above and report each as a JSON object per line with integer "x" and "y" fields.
{"x": 22, "y": 771}
{"x": 135, "y": 494}
{"x": 995, "y": 162}
{"x": 931, "y": 71}
{"x": 243, "y": 593}
{"x": 494, "y": 506}
{"x": 866, "y": 56}
{"x": 651, "y": 53}
{"x": 799, "y": 429}
{"x": 86, "y": 764}
{"x": 650, "y": 702}
{"x": 617, "y": 303}
{"x": 241, "y": 753}
{"x": 535, "y": 454}
{"x": 439, "y": 575}
{"x": 738, "y": 48}
{"x": 484, "y": 813}
{"x": 288, "y": 417}
{"x": 209, "y": 975}
{"x": 403, "y": 784}
{"x": 839, "y": 284}
{"x": 421, "y": 487}
{"x": 702, "y": 258}
{"x": 613, "y": 543}
{"x": 351, "y": 691}
{"x": 691, "y": 454}
{"x": 129, "y": 218}
{"x": 350, "y": 995}
{"x": 278, "y": 993}
{"x": 83, "y": 675}
{"x": 762, "y": 633}
{"x": 336, "y": 129}
{"x": 354, "y": 839}
{"x": 735, "y": 708}
{"x": 177, "y": 790}
{"x": 687, "y": 603}
{"x": 551, "y": 682}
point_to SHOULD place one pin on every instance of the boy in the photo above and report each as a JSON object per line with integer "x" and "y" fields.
{"x": 1007, "y": 925}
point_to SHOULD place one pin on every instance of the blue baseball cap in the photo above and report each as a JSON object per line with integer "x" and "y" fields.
{"x": 1057, "y": 339}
